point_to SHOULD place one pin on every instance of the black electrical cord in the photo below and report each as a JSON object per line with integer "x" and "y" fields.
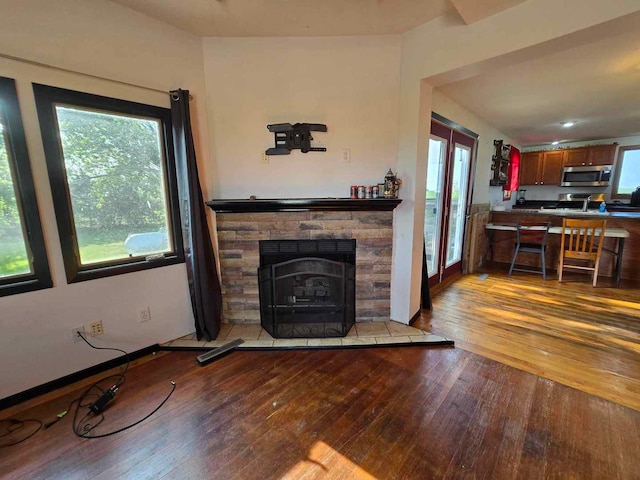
{"x": 9, "y": 426}
{"x": 88, "y": 427}
{"x": 95, "y": 399}
{"x": 126, "y": 355}
{"x": 90, "y": 399}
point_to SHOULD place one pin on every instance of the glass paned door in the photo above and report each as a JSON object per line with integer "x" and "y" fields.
{"x": 458, "y": 203}
{"x": 447, "y": 200}
{"x": 433, "y": 202}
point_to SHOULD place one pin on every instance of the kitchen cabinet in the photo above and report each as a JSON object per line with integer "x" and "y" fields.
{"x": 586, "y": 156}
{"x": 529, "y": 165}
{"x": 545, "y": 168}
{"x": 602, "y": 155}
{"x": 576, "y": 157}
{"x": 551, "y": 170}
{"x": 541, "y": 168}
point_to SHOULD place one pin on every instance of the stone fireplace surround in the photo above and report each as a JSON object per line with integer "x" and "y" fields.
{"x": 240, "y": 224}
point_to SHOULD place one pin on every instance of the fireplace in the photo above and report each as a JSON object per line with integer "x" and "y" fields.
{"x": 307, "y": 287}
{"x": 242, "y": 224}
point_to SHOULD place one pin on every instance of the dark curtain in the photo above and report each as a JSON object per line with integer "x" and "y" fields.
{"x": 202, "y": 270}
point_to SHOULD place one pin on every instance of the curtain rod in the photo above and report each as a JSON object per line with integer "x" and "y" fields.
{"x": 68, "y": 70}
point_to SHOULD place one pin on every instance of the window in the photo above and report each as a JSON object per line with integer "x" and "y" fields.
{"x": 23, "y": 258}
{"x": 112, "y": 176}
{"x": 627, "y": 172}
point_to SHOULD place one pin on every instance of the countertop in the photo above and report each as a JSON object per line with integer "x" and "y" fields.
{"x": 569, "y": 212}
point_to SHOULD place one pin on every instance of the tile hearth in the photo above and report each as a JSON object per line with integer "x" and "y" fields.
{"x": 361, "y": 335}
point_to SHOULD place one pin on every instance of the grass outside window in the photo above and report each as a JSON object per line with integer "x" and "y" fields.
{"x": 112, "y": 172}
{"x": 23, "y": 259}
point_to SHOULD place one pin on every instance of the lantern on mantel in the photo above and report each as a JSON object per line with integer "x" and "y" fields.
{"x": 391, "y": 185}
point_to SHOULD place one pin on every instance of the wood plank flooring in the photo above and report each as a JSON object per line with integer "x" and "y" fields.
{"x": 570, "y": 332}
{"x": 383, "y": 413}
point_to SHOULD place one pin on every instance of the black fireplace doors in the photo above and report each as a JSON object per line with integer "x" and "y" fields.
{"x": 307, "y": 287}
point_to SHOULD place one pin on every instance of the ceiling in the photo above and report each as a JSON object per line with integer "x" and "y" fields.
{"x": 591, "y": 77}
{"x": 318, "y": 18}
{"x": 289, "y": 18}
{"x": 595, "y": 84}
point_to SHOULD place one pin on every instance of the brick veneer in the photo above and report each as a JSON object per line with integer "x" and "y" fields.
{"x": 239, "y": 233}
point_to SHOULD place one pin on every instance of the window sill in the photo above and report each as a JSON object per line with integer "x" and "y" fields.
{"x": 23, "y": 286}
{"x": 94, "y": 272}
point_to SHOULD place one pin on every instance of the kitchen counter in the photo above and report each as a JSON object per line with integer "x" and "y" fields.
{"x": 629, "y": 221}
{"x": 571, "y": 212}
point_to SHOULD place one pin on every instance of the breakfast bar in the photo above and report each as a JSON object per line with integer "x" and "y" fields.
{"x": 622, "y": 239}
{"x": 617, "y": 233}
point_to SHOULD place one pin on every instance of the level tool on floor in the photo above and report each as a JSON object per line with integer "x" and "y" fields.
{"x": 212, "y": 354}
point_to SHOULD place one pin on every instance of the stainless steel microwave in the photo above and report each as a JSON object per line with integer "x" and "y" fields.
{"x": 593, "y": 176}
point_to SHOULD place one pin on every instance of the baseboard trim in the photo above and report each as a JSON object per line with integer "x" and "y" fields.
{"x": 74, "y": 377}
{"x": 439, "y": 288}
{"x": 415, "y": 317}
{"x": 445, "y": 342}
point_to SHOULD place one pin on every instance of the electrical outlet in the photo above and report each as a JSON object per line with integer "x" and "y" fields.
{"x": 346, "y": 155}
{"x": 74, "y": 334}
{"x": 264, "y": 158}
{"x": 95, "y": 328}
{"x": 144, "y": 314}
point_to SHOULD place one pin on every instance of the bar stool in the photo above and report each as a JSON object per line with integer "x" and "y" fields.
{"x": 531, "y": 237}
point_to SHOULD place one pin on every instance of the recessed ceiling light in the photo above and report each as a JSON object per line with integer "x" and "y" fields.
{"x": 568, "y": 124}
{"x": 555, "y": 143}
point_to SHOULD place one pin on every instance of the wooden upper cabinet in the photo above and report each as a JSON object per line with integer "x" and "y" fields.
{"x": 586, "y": 156}
{"x": 552, "y": 164}
{"x": 541, "y": 168}
{"x": 602, "y": 155}
{"x": 576, "y": 157}
{"x": 530, "y": 168}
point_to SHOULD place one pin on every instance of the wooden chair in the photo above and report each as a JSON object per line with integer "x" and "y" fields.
{"x": 582, "y": 244}
{"x": 531, "y": 237}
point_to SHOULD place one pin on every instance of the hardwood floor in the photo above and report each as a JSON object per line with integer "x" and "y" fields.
{"x": 382, "y": 413}
{"x": 385, "y": 413}
{"x": 584, "y": 337}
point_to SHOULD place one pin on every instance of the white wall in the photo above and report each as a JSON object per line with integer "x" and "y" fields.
{"x": 104, "y": 40}
{"x": 482, "y": 192}
{"x": 370, "y": 91}
{"x": 444, "y": 45}
{"x": 351, "y": 84}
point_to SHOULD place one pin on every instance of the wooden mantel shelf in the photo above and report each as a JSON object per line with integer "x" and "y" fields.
{"x": 303, "y": 204}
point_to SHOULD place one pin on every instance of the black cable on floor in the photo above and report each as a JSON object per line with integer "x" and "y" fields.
{"x": 126, "y": 355}
{"x": 84, "y": 431}
{"x": 10, "y": 426}
{"x": 92, "y": 396}
{"x": 89, "y": 400}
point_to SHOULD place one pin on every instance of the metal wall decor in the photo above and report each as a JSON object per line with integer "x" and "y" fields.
{"x": 500, "y": 163}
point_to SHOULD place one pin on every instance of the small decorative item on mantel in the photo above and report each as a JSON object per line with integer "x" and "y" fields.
{"x": 391, "y": 185}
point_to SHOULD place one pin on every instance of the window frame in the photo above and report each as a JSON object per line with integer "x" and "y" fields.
{"x": 25, "y": 193}
{"x": 618, "y": 172}
{"x": 47, "y": 97}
